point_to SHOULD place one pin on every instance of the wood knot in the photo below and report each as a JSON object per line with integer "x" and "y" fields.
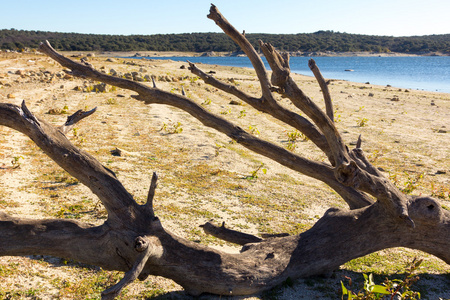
{"x": 140, "y": 244}
{"x": 425, "y": 210}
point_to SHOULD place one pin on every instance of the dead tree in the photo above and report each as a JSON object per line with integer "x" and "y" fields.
{"x": 133, "y": 239}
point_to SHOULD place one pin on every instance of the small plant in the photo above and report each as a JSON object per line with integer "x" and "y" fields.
{"x": 395, "y": 288}
{"x": 172, "y": 129}
{"x": 442, "y": 192}
{"x": 361, "y": 122}
{"x": 111, "y": 101}
{"x": 242, "y": 113}
{"x": 412, "y": 183}
{"x": 254, "y": 174}
{"x": 16, "y": 161}
{"x": 293, "y": 136}
{"x": 206, "y": 102}
{"x": 218, "y": 147}
{"x": 253, "y": 129}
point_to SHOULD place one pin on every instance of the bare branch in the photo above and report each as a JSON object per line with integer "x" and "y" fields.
{"x": 248, "y": 49}
{"x": 324, "y": 87}
{"x": 75, "y": 118}
{"x": 151, "y": 193}
{"x": 131, "y": 275}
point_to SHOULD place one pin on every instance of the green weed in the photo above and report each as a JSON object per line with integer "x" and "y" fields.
{"x": 361, "y": 122}
{"x": 396, "y": 288}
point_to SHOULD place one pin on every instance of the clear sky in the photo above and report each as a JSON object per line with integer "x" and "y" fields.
{"x": 376, "y": 17}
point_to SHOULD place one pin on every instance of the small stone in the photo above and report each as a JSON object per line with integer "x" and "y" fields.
{"x": 54, "y": 111}
{"x": 371, "y": 95}
{"x": 10, "y": 96}
{"x": 234, "y": 102}
{"x": 116, "y": 152}
{"x": 395, "y": 98}
{"x": 99, "y": 88}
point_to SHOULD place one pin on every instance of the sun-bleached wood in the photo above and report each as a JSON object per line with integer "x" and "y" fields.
{"x": 133, "y": 239}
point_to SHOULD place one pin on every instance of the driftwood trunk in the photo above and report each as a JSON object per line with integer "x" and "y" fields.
{"x": 133, "y": 239}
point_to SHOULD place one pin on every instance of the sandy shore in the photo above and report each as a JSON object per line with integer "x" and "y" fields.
{"x": 202, "y": 173}
{"x": 213, "y": 53}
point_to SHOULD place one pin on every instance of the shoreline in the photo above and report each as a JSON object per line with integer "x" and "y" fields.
{"x": 138, "y": 54}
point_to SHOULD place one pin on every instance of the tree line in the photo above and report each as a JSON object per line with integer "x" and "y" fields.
{"x": 320, "y": 41}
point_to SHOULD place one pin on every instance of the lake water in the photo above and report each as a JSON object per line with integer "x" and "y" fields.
{"x": 430, "y": 73}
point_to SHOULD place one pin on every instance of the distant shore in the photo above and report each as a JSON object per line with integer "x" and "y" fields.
{"x": 138, "y": 54}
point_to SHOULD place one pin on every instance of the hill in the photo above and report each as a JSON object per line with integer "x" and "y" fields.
{"x": 320, "y": 41}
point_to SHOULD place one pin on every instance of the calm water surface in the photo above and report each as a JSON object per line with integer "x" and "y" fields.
{"x": 430, "y": 73}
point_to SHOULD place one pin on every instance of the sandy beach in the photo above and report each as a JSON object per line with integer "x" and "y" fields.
{"x": 203, "y": 174}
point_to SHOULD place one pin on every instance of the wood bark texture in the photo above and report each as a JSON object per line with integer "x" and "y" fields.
{"x": 133, "y": 239}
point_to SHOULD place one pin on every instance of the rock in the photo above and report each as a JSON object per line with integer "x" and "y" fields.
{"x": 395, "y": 98}
{"x": 371, "y": 94}
{"x": 10, "y": 96}
{"x": 90, "y": 55}
{"x": 183, "y": 67}
{"x": 54, "y": 111}
{"x": 113, "y": 72}
{"x": 234, "y": 102}
{"x": 67, "y": 76}
{"x": 116, "y": 152}
{"x": 111, "y": 60}
{"x": 142, "y": 70}
{"x": 209, "y": 54}
{"x": 99, "y": 88}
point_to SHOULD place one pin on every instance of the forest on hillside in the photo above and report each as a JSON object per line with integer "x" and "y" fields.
{"x": 320, "y": 41}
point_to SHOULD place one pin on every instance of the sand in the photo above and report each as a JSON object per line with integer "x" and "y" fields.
{"x": 202, "y": 173}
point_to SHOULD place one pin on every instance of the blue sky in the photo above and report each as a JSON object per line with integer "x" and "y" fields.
{"x": 383, "y": 17}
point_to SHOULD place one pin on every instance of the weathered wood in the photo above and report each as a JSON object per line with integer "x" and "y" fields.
{"x": 133, "y": 239}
